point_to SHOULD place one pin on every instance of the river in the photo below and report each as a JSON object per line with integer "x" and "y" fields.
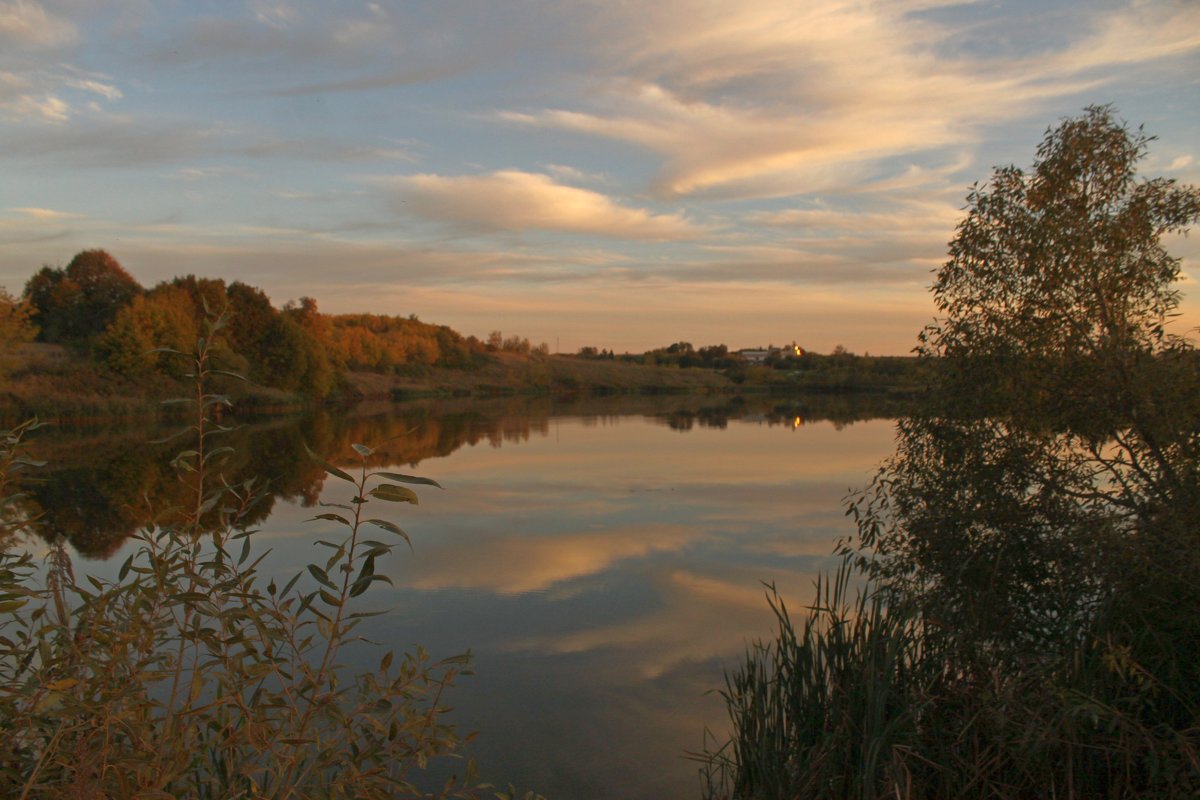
{"x": 603, "y": 561}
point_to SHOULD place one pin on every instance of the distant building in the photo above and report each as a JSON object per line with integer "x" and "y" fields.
{"x": 757, "y": 356}
{"x": 760, "y": 354}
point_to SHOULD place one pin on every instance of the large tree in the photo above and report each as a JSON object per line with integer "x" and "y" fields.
{"x": 76, "y": 303}
{"x": 1030, "y": 625}
{"x": 1041, "y": 510}
{"x": 1067, "y": 415}
{"x": 1066, "y": 259}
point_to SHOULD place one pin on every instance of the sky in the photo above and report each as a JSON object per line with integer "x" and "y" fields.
{"x": 601, "y": 173}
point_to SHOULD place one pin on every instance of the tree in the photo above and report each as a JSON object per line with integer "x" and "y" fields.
{"x": 1031, "y": 618}
{"x": 77, "y": 303}
{"x": 251, "y": 317}
{"x": 1041, "y": 509}
{"x": 1068, "y": 259}
{"x": 52, "y": 296}
{"x": 320, "y": 373}
{"x": 163, "y": 318}
{"x": 16, "y": 326}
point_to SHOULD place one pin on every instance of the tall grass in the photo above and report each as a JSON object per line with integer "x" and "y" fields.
{"x": 822, "y": 709}
{"x": 867, "y": 697}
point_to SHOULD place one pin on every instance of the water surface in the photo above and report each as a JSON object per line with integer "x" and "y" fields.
{"x": 602, "y": 562}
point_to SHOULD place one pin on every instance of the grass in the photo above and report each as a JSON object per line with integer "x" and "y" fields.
{"x": 510, "y": 374}
{"x": 866, "y": 697}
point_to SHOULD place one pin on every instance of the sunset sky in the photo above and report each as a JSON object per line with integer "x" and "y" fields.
{"x": 615, "y": 174}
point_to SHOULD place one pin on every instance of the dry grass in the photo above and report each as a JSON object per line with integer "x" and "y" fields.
{"x": 511, "y": 373}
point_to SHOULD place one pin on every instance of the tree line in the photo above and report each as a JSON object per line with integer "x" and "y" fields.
{"x": 96, "y": 308}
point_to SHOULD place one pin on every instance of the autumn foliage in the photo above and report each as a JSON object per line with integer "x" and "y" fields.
{"x": 95, "y": 307}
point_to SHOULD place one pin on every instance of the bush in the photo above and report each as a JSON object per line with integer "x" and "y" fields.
{"x": 186, "y": 676}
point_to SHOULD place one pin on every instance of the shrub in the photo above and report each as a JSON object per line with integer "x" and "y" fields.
{"x": 193, "y": 674}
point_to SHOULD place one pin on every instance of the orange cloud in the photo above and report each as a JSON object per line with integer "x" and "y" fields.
{"x": 770, "y": 99}
{"x": 512, "y": 200}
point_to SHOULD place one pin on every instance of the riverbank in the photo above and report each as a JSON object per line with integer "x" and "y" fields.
{"x": 557, "y": 375}
{"x": 53, "y": 384}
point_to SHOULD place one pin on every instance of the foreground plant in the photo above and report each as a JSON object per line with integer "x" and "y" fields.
{"x": 1031, "y": 550}
{"x": 193, "y": 674}
{"x": 822, "y": 709}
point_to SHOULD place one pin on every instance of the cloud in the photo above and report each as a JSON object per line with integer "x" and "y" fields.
{"x": 512, "y": 200}
{"x": 274, "y": 14}
{"x": 105, "y": 90}
{"x": 107, "y": 141}
{"x": 517, "y": 564}
{"x": 287, "y": 49}
{"x": 24, "y": 23}
{"x": 104, "y": 140}
{"x": 52, "y": 95}
{"x": 12, "y": 85}
{"x": 769, "y": 99}
{"x": 700, "y": 617}
{"x": 46, "y": 108}
{"x": 1141, "y": 33}
{"x": 44, "y": 213}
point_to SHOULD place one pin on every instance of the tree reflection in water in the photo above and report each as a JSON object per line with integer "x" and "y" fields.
{"x": 102, "y": 484}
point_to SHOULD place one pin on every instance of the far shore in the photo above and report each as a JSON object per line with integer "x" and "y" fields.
{"x": 47, "y": 382}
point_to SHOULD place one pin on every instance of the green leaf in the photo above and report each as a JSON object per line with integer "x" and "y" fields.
{"x": 332, "y": 518}
{"x": 388, "y": 526}
{"x": 321, "y": 576}
{"x": 361, "y": 585}
{"x": 365, "y": 614}
{"x": 394, "y": 494}
{"x": 288, "y": 587}
{"x": 400, "y": 478}
{"x": 330, "y": 468}
{"x": 362, "y": 450}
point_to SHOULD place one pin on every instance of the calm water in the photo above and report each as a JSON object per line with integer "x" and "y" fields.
{"x": 602, "y": 562}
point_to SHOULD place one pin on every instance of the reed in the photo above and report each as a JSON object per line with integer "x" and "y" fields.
{"x": 820, "y": 710}
{"x": 868, "y": 697}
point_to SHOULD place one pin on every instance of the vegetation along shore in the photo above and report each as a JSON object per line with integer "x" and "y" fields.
{"x": 88, "y": 341}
